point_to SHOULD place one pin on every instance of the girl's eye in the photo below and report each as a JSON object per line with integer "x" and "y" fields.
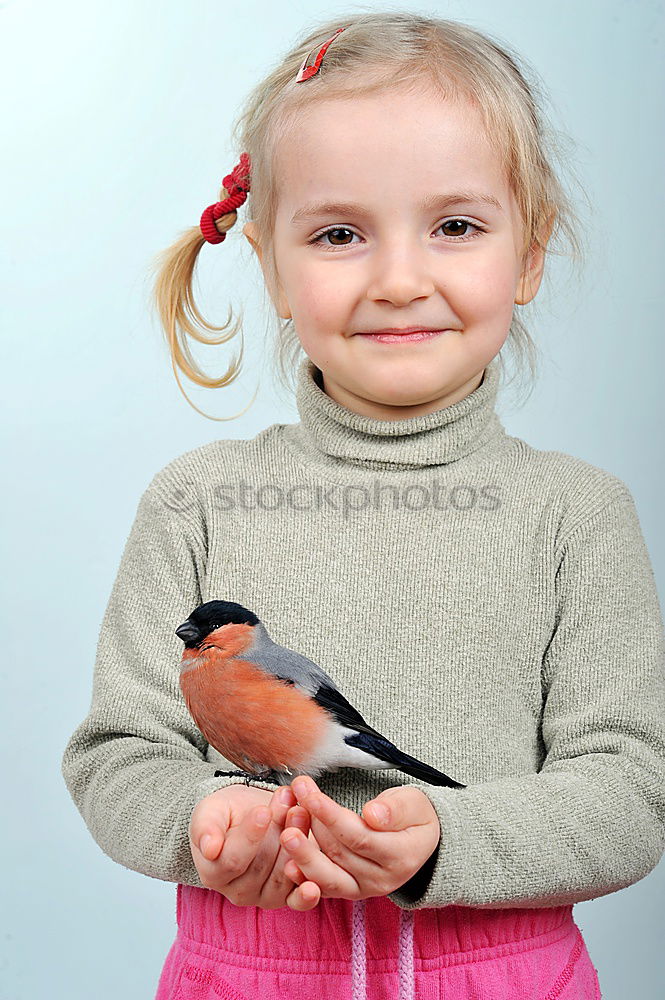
{"x": 466, "y": 224}
{"x": 456, "y": 237}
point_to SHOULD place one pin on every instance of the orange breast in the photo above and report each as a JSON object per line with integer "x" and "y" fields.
{"x": 251, "y": 718}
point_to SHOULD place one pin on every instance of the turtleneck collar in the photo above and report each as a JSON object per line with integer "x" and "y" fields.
{"x": 331, "y": 433}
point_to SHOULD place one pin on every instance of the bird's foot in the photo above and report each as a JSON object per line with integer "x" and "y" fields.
{"x": 233, "y": 774}
{"x": 267, "y": 775}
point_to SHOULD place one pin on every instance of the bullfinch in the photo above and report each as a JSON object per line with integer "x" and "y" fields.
{"x": 272, "y": 711}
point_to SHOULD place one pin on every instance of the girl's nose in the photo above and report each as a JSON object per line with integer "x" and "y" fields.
{"x": 401, "y": 273}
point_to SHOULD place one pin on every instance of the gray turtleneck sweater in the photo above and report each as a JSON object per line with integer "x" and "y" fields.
{"x": 489, "y": 607}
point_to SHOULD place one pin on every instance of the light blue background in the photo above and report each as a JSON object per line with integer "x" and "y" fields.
{"x": 116, "y": 121}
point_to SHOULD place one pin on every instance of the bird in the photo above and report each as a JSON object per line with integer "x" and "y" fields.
{"x": 272, "y": 711}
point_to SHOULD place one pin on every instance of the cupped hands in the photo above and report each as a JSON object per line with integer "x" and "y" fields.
{"x": 352, "y": 856}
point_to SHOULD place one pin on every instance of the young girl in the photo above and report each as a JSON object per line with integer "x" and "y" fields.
{"x": 488, "y": 606}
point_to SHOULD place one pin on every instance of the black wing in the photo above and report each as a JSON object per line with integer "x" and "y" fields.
{"x": 342, "y": 710}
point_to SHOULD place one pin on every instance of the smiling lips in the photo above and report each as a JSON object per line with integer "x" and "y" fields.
{"x": 397, "y": 336}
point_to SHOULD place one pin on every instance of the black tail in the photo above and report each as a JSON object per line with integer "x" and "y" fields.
{"x": 382, "y": 748}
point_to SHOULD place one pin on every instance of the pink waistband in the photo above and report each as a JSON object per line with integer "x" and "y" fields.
{"x": 441, "y": 936}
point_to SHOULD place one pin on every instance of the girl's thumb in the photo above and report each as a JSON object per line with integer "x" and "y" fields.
{"x": 378, "y": 811}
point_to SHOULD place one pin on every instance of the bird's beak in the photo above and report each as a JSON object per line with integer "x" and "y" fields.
{"x": 188, "y": 632}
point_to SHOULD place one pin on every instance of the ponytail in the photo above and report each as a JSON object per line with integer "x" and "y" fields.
{"x": 173, "y": 289}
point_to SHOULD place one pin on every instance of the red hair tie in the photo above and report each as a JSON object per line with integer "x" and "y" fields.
{"x": 237, "y": 183}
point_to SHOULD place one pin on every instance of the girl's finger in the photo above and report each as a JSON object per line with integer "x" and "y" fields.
{"x": 282, "y": 800}
{"x": 304, "y": 897}
{"x": 278, "y": 884}
{"x": 254, "y": 842}
{"x": 347, "y": 827}
{"x": 297, "y": 818}
{"x": 293, "y": 872}
{"x": 317, "y": 867}
{"x": 300, "y": 819}
{"x": 275, "y": 884}
{"x": 357, "y": 865}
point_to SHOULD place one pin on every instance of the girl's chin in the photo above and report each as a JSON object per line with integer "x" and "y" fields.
{"x": 399, "y": 395}
{"x": 404, "y": 381}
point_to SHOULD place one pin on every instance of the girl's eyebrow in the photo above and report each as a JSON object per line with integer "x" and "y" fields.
{"x": 433, "y": 201}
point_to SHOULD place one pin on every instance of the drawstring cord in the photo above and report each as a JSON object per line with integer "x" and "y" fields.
{"x": 407, "y": 980}
{"x": 358, "y": 951}
{"x": 406, "y": 975}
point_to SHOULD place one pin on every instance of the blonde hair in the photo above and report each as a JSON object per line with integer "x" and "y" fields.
{"x": 377, "y": 52}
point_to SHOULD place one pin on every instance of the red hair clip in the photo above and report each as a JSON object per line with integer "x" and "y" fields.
{"x": 305, "y": 71}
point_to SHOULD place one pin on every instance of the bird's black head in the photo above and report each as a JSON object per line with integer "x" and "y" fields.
{"x": 210, "y": 616}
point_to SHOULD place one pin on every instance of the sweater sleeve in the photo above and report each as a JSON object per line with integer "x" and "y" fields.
{"x": 136, "y": 766}
{"x": 591, "y": 821}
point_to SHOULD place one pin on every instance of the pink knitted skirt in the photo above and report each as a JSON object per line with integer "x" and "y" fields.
{"x": 373, "y": 949}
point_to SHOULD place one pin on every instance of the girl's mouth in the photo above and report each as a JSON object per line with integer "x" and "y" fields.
{"x": 399, "y": 338}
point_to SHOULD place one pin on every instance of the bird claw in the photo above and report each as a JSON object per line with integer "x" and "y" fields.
{"x": 234, "y": 774}
{"x": 267, "y": 775}
{"x": 249, "y": 776}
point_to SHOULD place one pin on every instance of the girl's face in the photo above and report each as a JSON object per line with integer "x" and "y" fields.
{"x": 407, "y": 254}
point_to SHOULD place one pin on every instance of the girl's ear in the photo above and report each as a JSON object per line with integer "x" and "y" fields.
{"x": 532, "y": 273}
{"x": 250, "y": 230}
